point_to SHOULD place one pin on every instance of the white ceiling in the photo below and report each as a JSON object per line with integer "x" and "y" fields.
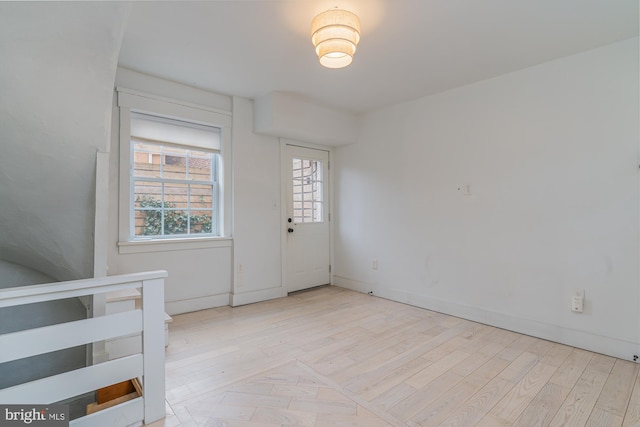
{"x": 409, "y": 48}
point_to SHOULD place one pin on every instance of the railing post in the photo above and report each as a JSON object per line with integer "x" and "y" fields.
{"x": 153, "y": 388}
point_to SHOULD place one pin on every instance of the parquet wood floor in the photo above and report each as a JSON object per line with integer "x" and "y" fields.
{"x": 333, "y": 357}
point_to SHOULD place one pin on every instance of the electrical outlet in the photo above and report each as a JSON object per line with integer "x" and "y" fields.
{"x": 577, "y": 301}
{"x": 577, "y": 305}
{"x": 374, "y": 264}
{"x": 465, "y": 189}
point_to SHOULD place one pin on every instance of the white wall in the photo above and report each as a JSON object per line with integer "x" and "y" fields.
{"x": 19, "y": 318}
{"x": 56, "y": 79}
{"x": 257, "y": 262}
{"x": 12, "y": 275}
{"x": 287, "y": 115}
{"x": 199, "y": 278}
{"x": 209, "y": 277}
{"x": 56, "y": 83}
{"x": 549, "y": 155}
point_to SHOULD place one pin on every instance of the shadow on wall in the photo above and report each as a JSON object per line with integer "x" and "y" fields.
{"x": 29, "y": 316}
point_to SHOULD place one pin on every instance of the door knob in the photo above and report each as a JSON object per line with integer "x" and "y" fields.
{"x": 290, "y": 230}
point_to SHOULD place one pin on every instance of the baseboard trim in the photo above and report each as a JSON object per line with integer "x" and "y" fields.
{"x": 575, "y": 338}
{"x": 243, "y": 298}
{"x": 196, "y": 304}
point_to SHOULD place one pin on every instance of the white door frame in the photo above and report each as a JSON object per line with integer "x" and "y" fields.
{"x": 284, "y": 177}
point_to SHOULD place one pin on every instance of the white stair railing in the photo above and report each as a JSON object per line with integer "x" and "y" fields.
{"x": 148, "y": 366}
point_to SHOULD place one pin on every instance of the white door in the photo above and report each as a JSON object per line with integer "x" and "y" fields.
{"x": 306, "y": 244}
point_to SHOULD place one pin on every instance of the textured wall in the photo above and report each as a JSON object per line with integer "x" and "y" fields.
{"x": 56, "y": 82}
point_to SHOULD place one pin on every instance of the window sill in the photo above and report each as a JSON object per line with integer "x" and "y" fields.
{"x": 142, "y": 246}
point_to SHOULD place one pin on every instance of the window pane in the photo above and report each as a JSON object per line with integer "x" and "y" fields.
{"x": 174, "y": 163}
{"x": 175, "y": 222}
{"x": 201, "y": 222}
{"x": 176, "y": 196}
{"x": 200, "y": 165}
{"x": 309, "y": 196}
{"x": 148, "y": 205}
{"x": 148, "y": 222}
{"x": 200, "y": 196}
{"x": 147, "y": 194}
{"x": 146, "y": 160}
{"x": 307, "y": 188}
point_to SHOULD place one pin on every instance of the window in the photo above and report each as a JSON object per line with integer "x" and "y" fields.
{"x": 172, "y": 174}
{"x": 174, "y": 182}
{"x": 307, "y": 190}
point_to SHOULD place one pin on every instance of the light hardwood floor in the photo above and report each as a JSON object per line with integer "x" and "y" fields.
{"x": 333, "y": 357}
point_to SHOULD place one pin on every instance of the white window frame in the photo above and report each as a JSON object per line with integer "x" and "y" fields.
{"x": 133, "y": 101}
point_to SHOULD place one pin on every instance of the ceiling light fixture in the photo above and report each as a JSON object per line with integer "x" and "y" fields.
{"x": 335, "y": 35}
